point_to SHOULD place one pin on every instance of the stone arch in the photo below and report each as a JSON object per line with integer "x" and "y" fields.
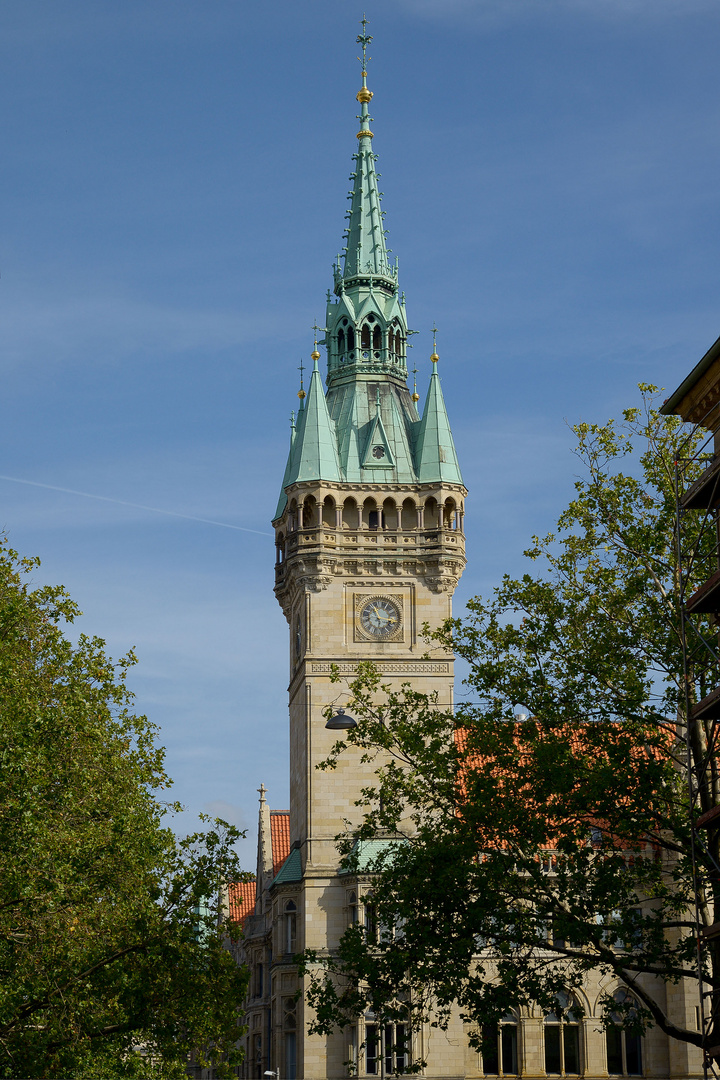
{"x": 328, "y": 511}
{"x": 408, "y": 515}
{"x": 450, "y": 514}
{"x": 432, "y": 516}
{"x": 350, "y": 514}
{"x": 310, "y": 512}
{"x": 371, "y": 514}
{"x": 390, "y": 514}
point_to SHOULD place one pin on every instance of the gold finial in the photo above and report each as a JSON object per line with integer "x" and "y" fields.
{"x": 315, "y": 355}
{"x": 415, "y": 395}
{"x": 434, "y": 356}
{"x": 301, "y": 391}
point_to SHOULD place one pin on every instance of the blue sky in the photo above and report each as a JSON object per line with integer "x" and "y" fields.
{"x": 172, "y": 192}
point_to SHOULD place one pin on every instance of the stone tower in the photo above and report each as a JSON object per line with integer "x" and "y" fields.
{"x": 370, "y": 546}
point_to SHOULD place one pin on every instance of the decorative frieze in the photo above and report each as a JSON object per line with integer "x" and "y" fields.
{"x": 385, "y": 667}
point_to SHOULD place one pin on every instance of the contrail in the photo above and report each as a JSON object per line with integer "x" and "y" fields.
{"x": 135, "y": 506}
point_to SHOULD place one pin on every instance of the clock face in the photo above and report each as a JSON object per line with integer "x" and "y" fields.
{"x": 380, "y": 617}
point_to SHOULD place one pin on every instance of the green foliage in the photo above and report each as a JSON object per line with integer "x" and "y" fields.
{"x": 530, "y": 852}
{"x": 112, "y": 963}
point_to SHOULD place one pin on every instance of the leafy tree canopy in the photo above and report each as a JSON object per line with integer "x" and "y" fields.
{"x": 111, "y": 959}
{"x": 537, "y": 849}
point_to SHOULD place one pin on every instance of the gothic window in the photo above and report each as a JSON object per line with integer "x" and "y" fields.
{"x": 257, "y": 1056}
{"x": 258, "y": 980}
{"x": 371, "y": 928}
{"x": 624, "y": 1048}
{"x": 365, "y": 342}
{"x": 387, "y": 1047}
{"x": 289, "y": 927}
{"x": 377, "y": 339}
{"x": 562, "y": 1038}
{"x": 350, "y": 341}
{"x": 341, "y": 344}
{"x": 500, "y": 1048}
{"x": 352, "y": 909}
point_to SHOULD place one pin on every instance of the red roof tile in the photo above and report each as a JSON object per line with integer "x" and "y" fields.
{"x": 280, "y": 837}
{"x": 241, "y": 900}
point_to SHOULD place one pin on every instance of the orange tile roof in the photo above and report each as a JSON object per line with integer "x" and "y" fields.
{"x": 241, "y": 900}
{"x": 279, "y": 837}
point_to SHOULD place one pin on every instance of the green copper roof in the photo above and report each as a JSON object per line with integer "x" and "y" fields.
{"x": 435, "y": 456}
{"x": 291, "y": 870}
{"x": 353, "y": 407}
{"x": 367, "y": 431}
{"x": 365, "y": 854}
{"x": 314, "y": 452}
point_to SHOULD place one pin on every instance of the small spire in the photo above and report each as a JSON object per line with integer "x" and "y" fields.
{"x": 301, "y": 391}
{"x": 434, "y": 356}
{"x": 262, "y": 789}
{"x": 292, "y": 424}
{"x": 377, "y": 398}
{"x": 415, "y": 395}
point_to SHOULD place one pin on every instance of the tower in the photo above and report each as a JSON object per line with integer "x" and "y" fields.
{"x": 370, "y": 546}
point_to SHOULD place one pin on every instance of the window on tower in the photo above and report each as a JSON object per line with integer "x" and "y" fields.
{"x": 365, "y": 342}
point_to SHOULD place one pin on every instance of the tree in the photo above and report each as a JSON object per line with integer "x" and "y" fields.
{"x": 112, "y": 962}
{"x": 529, "y": 851}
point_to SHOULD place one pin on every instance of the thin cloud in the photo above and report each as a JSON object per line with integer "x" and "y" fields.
{"x": 134, "y": 506}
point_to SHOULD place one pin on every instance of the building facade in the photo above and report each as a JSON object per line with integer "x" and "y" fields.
{"x": 370, "y": 546}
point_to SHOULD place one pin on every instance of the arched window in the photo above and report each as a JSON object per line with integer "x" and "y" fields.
{"x": 562, "y": 1038}
{"x": 350, "y": 341}
{"x": 398, "y": 345}
{"x": 341, "y": 344}
{"x": 352, "y": 909}
{"x": 290, "y": 927}
{"x": 377, "y": 339}
{"x": 365, "y": 341}
{"x": 500, "y": 1047}
{"x": 624, "y": 1048}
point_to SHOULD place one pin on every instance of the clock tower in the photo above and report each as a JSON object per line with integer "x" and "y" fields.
{"x": 370, "y": 546}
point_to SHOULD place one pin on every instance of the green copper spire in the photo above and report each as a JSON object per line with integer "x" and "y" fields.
{"x": 314, "y": 453}
{"x": 282, "y": 500}
{"x": 366, "y": 255}
{"x": 435, "y": 456}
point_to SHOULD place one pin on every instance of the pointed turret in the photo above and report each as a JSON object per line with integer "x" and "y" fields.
{"x": 264, "y": 872}
{"x": 314, "y": 454}
{"x": 282, "y": 500}
{"x": 435, "y": 457}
